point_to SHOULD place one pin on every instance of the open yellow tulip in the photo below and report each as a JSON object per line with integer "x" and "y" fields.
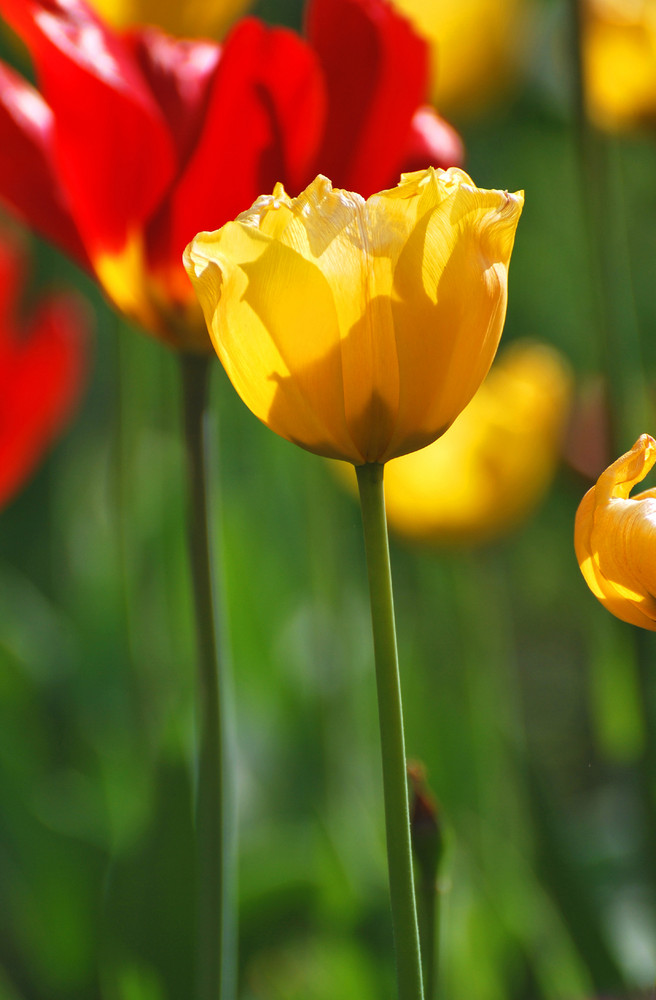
{"x": 619, "y": 56}
{"x": 505, "y": 446}
{"x": 615, "y": 537}
{"x": 360, "y": 329}
{"x": 475, "y": 47}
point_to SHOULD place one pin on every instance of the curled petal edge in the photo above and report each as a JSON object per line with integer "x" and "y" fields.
{"x": 616, "y": 483}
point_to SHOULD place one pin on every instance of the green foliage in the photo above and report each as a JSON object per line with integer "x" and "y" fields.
{"x": 533, "y": 711}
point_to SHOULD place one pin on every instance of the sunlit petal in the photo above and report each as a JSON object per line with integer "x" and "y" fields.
{"x": 29, "y": 182}
{"x": 383, "y": 316}
{"x": 114, "y": 153}
{"x": 615, "y": 538}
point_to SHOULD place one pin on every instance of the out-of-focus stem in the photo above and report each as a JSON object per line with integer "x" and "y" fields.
{"x": 215, "y": 843}
{"x": 426, "y": 835}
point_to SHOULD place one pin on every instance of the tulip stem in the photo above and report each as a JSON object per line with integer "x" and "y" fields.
{"x": 390, "y": 714}
{"x": 215, "y": 844}
{"x": 428, "y": 901}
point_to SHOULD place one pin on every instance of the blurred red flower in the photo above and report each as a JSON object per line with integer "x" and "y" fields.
{"x": 137, "y": 141}
{"x": 42, "y": 366}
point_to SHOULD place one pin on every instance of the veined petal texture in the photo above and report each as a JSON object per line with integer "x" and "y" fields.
{"x": 359, "y": 329}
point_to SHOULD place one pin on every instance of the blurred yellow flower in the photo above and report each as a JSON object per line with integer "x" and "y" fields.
{"x": 474, "y": 48}
{"x": 615, "y": 537}
{"x": 187, "y": 19}
{"x": 495, "y": 463}
{"x": 360, "y": 329}
{"x": 619, "y": 55}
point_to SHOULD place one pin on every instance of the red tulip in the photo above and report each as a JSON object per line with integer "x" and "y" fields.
{"x": 42, "y": 364}
{"x": 133, "y": 143}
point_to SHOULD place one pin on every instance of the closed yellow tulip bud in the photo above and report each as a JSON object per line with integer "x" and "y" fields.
{"x": 360, "y": 329}
{"x": 619, "y": 53}
{"x": 615, "y": 537}
{"x": 505, "y": 446}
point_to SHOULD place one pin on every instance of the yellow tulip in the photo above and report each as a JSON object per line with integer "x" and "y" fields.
{"x": 360, "y": 329}
{"x": 495, "y": 463}
{"x": 188, "y": 19}
{"x": 473, "y": 48}
{"x": 619, "y": 54}
{"x": 615, "y": 537}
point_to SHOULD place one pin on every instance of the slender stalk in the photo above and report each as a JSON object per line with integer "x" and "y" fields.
{"x": 428, "y": 906}
{"x": 123, "y": 469}
{"x": 397, "y": 819}
{"x": 428, "y": 848}
{"x": 215, "y": 843}
{"x": 643, "y": 645}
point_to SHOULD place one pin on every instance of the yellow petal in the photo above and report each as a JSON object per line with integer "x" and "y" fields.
{"x": 615, "y": 538}
{"x": 344, "y": 324}
{"x": 191, "y": 19}
{"x": 450, "y": 296}
{"x": 275, "y": 336}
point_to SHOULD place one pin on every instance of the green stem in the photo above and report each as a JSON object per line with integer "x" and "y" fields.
{"x": 215, "y": 843}
{"x": 123, "y": 469}
{"x": 428, "y": 849}
{"x": 643, "y": 642}
{"x": 397, "y": 819}
{"x": 428, "y": 907}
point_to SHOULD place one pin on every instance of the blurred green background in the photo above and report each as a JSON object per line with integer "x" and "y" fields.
{"x": 532, "y": 709}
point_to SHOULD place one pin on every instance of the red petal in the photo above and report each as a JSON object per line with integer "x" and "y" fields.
{"x": 432, "y": 143}
{"x": 376, "y": 69}
{"x": 41, "y": 375}
{"x": 263, "y": 123}
{"x": 28, "y": 179}
{"x": 179, "y": 73}
{"x": 113, "y": 150}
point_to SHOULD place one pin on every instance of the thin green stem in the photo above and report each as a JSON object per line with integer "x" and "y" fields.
{"x": 215, "y": 843}
{"x": 647, "y": 763}
{"x": 397, "y": 819}
{"x": 428, "y": 907}
{"x": 123, "y": 469}
{"x": 428, "y": 849}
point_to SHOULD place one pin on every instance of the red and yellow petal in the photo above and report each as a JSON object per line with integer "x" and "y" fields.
{"x": 264, "y": 117}
{"x": 113, "y": 150}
